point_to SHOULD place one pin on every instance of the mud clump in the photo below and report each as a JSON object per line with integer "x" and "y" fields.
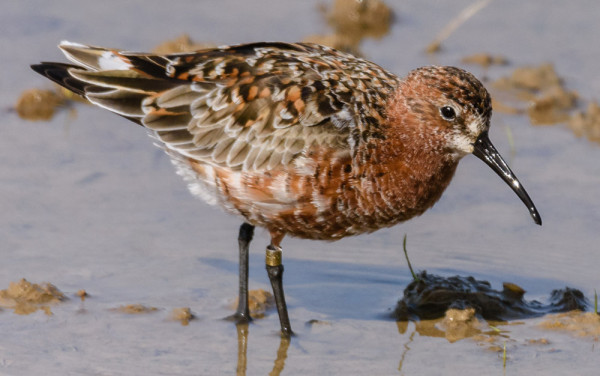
{"x": 587, "y": 123}
{"x": 315, "y": 322}
{"x": 485, "y": 60}
{"x": 455, "y": 325}
{"x": 546, "y": 99}
{"x": 431, "y": 296}
{"x": 339, "y": 42}
{"x": 24, "y": 297}
{"x": 352, "y": 21}
{"x": 581, "y": 324}
{"x": 461, "y": 323}
{"x": 360, "y": 18}
{"x": 134, "y": 309}
{"x": 82, "y": 294}
{"x": 538, "y": 341}
{"x": 182, "y": 43}
{"x": 42, "y": 104}
{"x": 553, "y": 106}
{"x": 533, "y": 78}
{"x": 38, "y": 104}
{"x": 549, "y": 102}
{"x": 259, "y": 302}
{"x": 183, "y": 315}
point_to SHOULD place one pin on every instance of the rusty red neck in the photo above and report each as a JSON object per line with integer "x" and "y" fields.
{"x": 412, "y": 166}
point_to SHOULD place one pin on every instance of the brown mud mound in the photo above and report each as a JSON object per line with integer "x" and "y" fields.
{"x": 352, "y": 21}
{"x": 182, "y": 43}
{"x": 543, "y": 92}
{"x": 25, "y": 297}
{"x": 431, "y": 296}
{"x": 259, "y": 302}
{"x": 587, "y": 123}
{"x": 134, "y": 309}
{"x": 38, "y": 104}
{"x": 183, "y": 314}
{"x": 581, "y": 324}
{"x": 485, "y": 60}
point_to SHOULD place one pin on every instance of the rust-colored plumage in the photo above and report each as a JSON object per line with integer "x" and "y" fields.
{"x": 298, "y": 138}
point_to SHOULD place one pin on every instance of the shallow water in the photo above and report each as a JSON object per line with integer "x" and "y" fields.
{"x": 89, "y": 203}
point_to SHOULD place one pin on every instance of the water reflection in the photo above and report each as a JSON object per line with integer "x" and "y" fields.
{"x": 486, "y": 336}
{"x": 281, "y": 356}
{"x": 456, "y": 325}
{"x": 242, "y": 359}
{"x": 456, "y": 308}
{"x": 402, "y": 326}
{"x": 494, "y": 336}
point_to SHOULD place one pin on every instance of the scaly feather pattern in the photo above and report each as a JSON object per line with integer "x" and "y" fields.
{"x": 249, "y": 107}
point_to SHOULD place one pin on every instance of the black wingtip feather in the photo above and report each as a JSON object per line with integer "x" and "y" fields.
{"x": 58, "y": 72}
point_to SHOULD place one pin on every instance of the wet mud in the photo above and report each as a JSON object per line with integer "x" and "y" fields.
{"x": 182, "y": 43}
{"x": 587, "y": 123}
{"x": 184, "y": 315}
{"x": 353, "y": 21}
{"x": 541, "y": 92}
{"x": 259, "y": 302}
{"x": 432, "y": 296}
{"x": 24, "y": 297}
{"x": 581, "y": 324}
{"x": 39, "y": 104}
{"x": 134, "y": 309}
{"x": 485, "y": 60}
{"x": 457, "y": 308}
{"x": 82, "y": 294}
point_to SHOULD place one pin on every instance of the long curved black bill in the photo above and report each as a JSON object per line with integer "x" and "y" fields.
{"x": 485, "y": 150}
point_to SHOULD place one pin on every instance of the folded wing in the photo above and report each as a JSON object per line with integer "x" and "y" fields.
{"x": 249, "y": 107}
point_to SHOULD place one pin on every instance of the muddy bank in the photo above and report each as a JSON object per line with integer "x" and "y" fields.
{"x": 431, "y": 296}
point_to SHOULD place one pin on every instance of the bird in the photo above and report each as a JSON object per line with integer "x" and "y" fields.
{"x": 297, "y": 138}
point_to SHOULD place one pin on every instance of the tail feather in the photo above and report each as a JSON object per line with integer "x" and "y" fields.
{"x": 59, "y": 73}
{"x": 119, "y": 82}
{"x": 62, "y": 74}
{"x": 125, "y": 80}
{"x": 94, "y": 58}
{"x": 122, "y": 102}
{"x": 104, "y": 59}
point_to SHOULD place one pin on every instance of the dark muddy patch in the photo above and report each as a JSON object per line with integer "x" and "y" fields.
{"x": 431, "y": 296}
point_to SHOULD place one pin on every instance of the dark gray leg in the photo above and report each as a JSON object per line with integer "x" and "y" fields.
{"x": 242, "y": 315}
{"x": 275, "y": 272}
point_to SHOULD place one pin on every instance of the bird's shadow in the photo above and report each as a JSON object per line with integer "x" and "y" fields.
{"x": 344, "y": 290}
{"x": 334, "y": 289}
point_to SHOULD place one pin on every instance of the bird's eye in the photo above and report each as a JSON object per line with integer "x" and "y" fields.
{"x": 448, "y": 113}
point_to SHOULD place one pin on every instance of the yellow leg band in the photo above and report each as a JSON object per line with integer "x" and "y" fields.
{"x": 273, "y": 256}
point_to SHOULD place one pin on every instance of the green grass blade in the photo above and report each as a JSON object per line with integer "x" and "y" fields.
{"x": 416, "y": 279}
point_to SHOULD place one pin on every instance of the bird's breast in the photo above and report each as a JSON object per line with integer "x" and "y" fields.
{"x": 328, "y": 195}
